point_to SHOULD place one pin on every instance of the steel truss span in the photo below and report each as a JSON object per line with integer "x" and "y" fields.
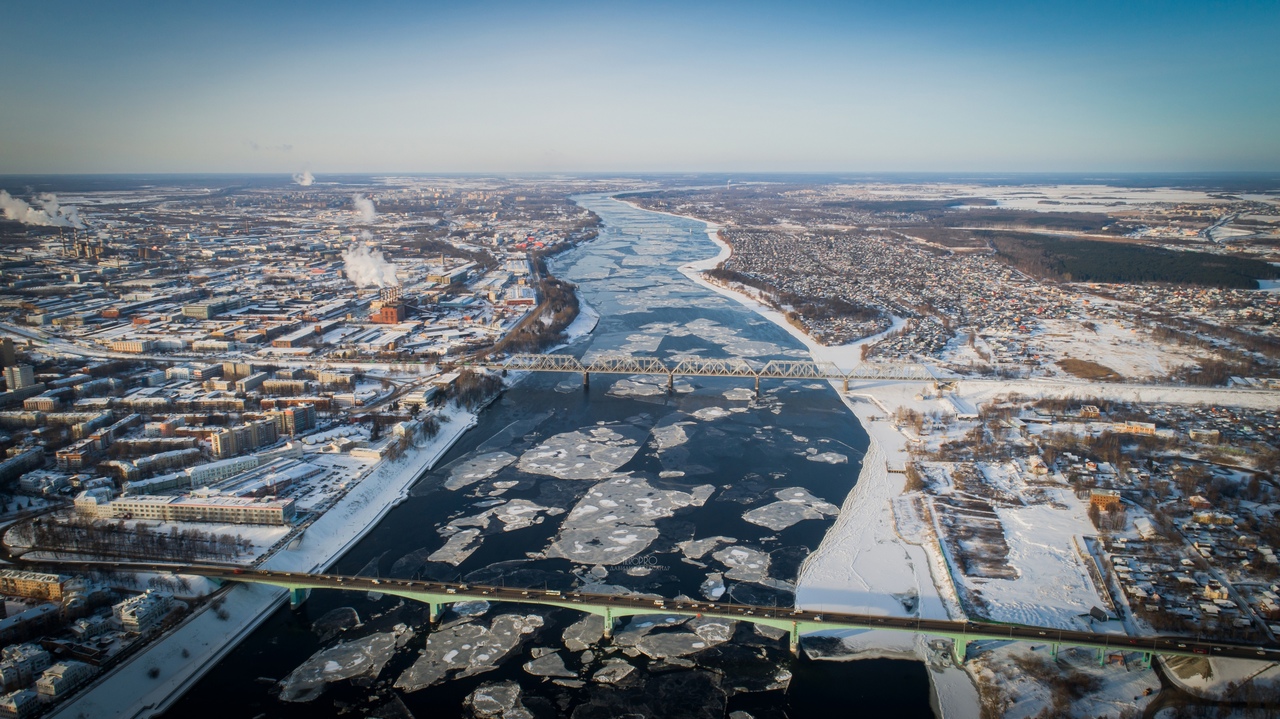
{"x": 697, "y": 367}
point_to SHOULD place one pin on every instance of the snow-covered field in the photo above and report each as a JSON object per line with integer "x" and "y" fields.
{"x": 1044, "y": 198}
{"x": 1014, "y": 679}
{"x": 1130, "y": 353}
{"x": 1214, "y": 678}
{"x": 1053, "y": 587}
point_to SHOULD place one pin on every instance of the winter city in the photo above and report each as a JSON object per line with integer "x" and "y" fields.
{"x": 716, "y": 361}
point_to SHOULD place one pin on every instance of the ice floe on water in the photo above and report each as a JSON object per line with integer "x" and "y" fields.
{"x": 614, "y": 671}
{"x": 708, "y": 414}
{"x": 548, "y": 663}
{"x": 639, "y": 386}
{"x": 641, "y": 342}
{"x": 745, "y": 564}
{"x": 671, "y": 435}
{"x": 497, "y": 700}
{"x": 679, "y": 644}
{"x": 814, "y": 455}
{"x": 501, "y": 487}
{"x": 706, "y": 329}
{"x": 464, "y": 532}
{"x": 334, "y": 622}
{"x": 614, "y": 521}
{"x": 592, "y": 453}
{"x": 348, "y": 660}
{"x": 713, "y": 587}
{"x": 739, "y": 394}
{"x": 514, "y": 514}
{"x": 584, "y": 633}
{"x": 467, "y": 649}
{"x": 639, "y": 627}
{"x": 456, "y": 550}
{"x": 698, "y": 548}
{"x": 474, "y": 608}
{"x": 794, "y": 505}
{"x": 478, "y": 468}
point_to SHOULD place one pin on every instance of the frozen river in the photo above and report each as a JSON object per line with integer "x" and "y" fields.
{"x": 709, "y": 492}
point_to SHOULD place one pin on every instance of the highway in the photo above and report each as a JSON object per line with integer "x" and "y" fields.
{"x": 444, "y": 592}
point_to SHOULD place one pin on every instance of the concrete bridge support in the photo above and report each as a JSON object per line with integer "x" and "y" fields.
{"x": 437, "y": 611}
{"x": 959, "y": 651}
{"x": 795, "y": 639}
{"x": 1146, "y": 660}
{"x": 297, "y": 597}
{"x": 671, "y": 384}
{"x": 586, "y": 380}
{"x": 608, "y": 623}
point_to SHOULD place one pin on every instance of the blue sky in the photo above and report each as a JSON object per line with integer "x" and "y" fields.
{"x": 640, "y": 86}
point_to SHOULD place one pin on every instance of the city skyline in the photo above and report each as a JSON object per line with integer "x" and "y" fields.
{"x": 816, "y": 87}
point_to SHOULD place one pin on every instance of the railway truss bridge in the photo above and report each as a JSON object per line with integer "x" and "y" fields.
{"x": 439, "y": 595}
{"x": 698, "y": 367}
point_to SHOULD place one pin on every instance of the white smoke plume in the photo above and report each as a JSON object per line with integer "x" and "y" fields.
{"x": 365, "y": 207}
{"x": 49, "y": 214}
{"x": 304, "y": 178}
{"x": 367, "y": 267}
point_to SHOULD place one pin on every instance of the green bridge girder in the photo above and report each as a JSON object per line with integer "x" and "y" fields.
{"x": 960, "y": 641}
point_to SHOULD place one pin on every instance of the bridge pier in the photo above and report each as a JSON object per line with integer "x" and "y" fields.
{"x": 757, "y": 385}
{"x": 1146, "y": 660}
{"x": 846, "y": 384}
{"x": 671, "y": 383}
{"x": 437, "y": 611}
{"x": 297, "y": 597}
{"x": 795, "y": 639}
{"x": 959, "y": 651}
{"x": 1053, "y": 651}
{"x": 608, "y": 623}
{"x": 586, "y": 380}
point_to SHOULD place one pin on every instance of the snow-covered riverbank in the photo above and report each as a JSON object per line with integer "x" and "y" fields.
{"x": 183, "y": 655}
{"x": 863, "y": 564}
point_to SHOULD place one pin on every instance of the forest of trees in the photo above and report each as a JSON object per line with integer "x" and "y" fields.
{"x": 545, "y": 327}
{"x": 119, "y": 539}
{"x": 473, "y": 389}
{"x": 1091, "y": 261}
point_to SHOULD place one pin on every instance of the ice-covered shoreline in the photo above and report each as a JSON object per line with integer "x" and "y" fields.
{"x": 130, "y": 691}
{"x": 864, "y": 536}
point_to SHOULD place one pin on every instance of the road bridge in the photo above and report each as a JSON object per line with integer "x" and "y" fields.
{"x": 438, "y": 595}
{"x": 699, "y": 367}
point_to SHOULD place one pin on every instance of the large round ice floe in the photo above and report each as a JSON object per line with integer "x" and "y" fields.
{"x": 794, "y": 505}
{"x": 582, "y": 454}
{"x": 614, "y": 521}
